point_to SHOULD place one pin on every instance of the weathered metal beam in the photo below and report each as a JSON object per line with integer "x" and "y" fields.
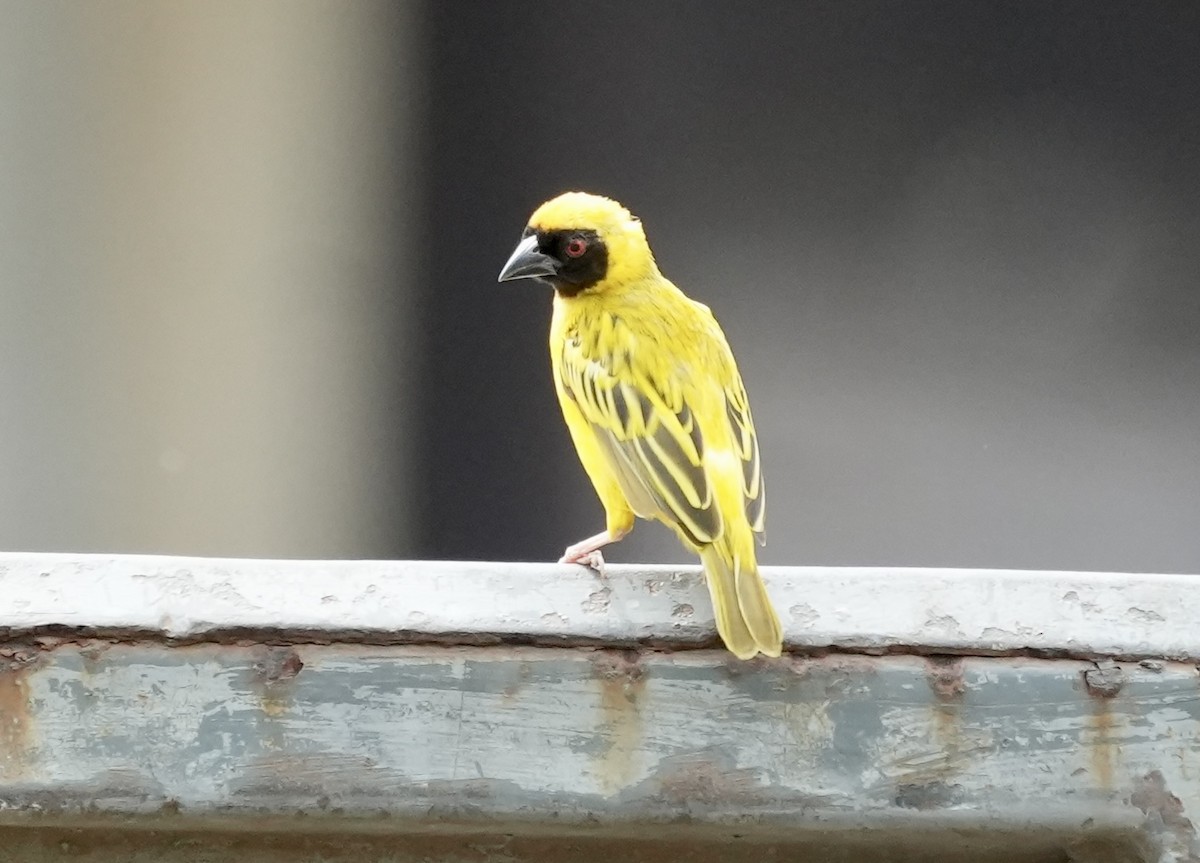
{"x": 250, "y": 736}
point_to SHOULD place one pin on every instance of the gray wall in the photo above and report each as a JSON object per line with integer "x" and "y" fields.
{"x": 202, "y": 274}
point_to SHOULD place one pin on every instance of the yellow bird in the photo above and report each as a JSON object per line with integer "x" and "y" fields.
{"x": 654, "y": 403}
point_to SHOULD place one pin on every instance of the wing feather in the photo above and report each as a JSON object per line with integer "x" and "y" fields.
{"x": 737, "y": 408}
{"x": 652, "y": 437}
{"x": 649, "y": 435}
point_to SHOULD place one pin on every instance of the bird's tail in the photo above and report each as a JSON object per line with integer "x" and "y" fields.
{"x": 746, "y": 619}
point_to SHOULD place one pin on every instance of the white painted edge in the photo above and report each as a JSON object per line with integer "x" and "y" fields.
{"x": 852, "y": 608}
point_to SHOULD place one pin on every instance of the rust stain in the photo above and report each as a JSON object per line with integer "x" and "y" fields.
{"x": 945, "y": 677}
{"x": 1103, "y": 684}
{"x": 622, "y": 681}
{"x": 16, "y": 718}
{"x": 275, "y": 670}
{"x": 948, "y": 730}
{"x": 1101, "y": 741}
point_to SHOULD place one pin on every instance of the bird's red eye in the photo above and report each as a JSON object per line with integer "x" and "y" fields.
{"x": 576, "y": 246}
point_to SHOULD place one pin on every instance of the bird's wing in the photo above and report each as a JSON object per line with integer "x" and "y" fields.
{"x": 741, "y": 425}
{"x": 642, "y": 406}
{"x": 653, "y": 444}
{"x": 745, "y": 442}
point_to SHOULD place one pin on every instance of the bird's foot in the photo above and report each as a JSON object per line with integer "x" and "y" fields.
{"x": 584, "y": 555}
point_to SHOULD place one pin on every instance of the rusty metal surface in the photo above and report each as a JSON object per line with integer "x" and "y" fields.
{"x": 425, "y": 744}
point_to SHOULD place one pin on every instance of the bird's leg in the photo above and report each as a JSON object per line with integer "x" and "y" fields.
{"x": 587, "y": 551}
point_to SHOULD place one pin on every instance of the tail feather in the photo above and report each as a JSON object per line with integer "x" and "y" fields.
{"x": 746, "y": 620}
{"x": 757, "y": 610}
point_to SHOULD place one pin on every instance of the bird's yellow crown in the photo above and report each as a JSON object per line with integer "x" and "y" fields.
{"x": 629, "y": 255}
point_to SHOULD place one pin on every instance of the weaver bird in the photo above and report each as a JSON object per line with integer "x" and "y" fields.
{"x": 654, "y": 403}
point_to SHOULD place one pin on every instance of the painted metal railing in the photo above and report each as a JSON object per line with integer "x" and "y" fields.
{"x": 360, "y": 707}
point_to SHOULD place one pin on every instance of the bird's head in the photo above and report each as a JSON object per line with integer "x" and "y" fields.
{"x": 579, "y": 242}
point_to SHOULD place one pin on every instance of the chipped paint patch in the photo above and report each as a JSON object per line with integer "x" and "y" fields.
{"x": 425, "y": 737}
{"x": 705, "y": 778}
{"x": 597, "y": 601}
{"x": 274, "y": 671}
{"x": 1165, "y": 816}
{"x": 683, "y": 610}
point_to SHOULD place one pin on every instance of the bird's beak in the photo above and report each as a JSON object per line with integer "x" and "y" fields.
{"x": 526, "y": 262}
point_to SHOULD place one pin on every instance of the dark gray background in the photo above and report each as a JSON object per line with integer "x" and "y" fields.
{"x": 248, "y": 257}
{"x": 954, "y": 246}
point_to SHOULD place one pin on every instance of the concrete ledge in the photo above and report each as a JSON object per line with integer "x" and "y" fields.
{"x": 1085, "y": 615}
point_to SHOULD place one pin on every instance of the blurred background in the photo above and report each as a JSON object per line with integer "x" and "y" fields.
{"x": 248, "y": 256}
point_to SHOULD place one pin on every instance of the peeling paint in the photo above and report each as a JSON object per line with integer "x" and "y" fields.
{"x": 597, "y": 601}
{"x": 582, "y": 739}
{"x": 803, "y": 614}
{"x": 683, "y": 610}
{"x": 1144, "y": 615}
{"x": 943, "y": 623}
{"x": 705, "y": 778}
{"x": 1165, "y": 817}
{"x": 274, "y": 671}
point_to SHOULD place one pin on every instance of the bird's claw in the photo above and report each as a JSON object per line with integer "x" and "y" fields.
{"x": 592, "y": 559}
